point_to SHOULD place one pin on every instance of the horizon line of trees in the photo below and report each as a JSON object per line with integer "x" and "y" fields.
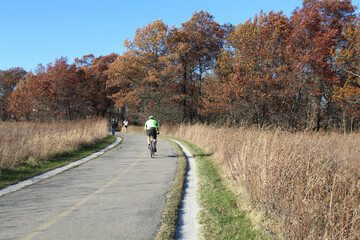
{"x": 298, "y": 72}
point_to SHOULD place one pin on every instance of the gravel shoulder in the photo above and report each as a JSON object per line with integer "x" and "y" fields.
{"x": 188, "y": 226}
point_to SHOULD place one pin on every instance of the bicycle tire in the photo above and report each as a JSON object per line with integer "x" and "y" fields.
{"x": 151, "y": 148}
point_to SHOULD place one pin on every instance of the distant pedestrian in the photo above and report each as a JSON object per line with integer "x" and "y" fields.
{"x": 114, "y": 125}
{"x": 126, "y": 123}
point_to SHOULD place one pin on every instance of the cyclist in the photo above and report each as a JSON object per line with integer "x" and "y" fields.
{"x": 152, "y": 128}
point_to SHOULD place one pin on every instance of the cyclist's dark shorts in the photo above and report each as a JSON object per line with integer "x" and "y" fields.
{"x": 151, "y": 131}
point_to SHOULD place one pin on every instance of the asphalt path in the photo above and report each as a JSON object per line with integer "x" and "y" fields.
{"x": 119, "y": 195}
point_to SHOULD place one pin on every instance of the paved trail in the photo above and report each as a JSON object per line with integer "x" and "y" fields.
{"x": 119, "y": 195}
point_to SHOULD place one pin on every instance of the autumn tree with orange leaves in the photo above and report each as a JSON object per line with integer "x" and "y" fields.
{"x": 195, "y": 47}
{"x": 95, "y": 74}
{"x": 62, "y": 91}
{"x": 141, "y": 74}
{"x": 347, "y": 62}
{"x": 280, "y": 71}
{"x": 318, "y": 28}
{"x": 8, "y": 80}
{"x": 249, "y": 84}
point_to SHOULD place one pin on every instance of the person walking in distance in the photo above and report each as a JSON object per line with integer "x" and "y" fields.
{"x": 126, "y": 123}
{"x": 113, "y": 126}
{"x": 152, "y": 129}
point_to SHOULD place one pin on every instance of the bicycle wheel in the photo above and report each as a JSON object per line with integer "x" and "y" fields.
{"x": 152, "y": 148}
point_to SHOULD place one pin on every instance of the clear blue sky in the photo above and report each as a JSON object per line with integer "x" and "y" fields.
{"x": 40, "y": 31}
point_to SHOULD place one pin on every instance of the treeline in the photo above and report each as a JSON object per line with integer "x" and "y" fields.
{"x": 61, "y": 91}
{"x": 298, "y": 72}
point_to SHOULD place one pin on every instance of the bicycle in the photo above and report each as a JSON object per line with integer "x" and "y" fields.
{"x": 152, "y": 147}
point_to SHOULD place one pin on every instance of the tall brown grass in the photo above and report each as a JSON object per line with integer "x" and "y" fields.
{"x": 307, "y": 183}
{"x": 27, "y": 142}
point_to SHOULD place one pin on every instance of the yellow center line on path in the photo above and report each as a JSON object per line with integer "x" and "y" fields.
{"x": 78, "y": 204}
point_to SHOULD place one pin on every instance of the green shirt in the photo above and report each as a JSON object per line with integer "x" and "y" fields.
{"x": 151, "y": 123}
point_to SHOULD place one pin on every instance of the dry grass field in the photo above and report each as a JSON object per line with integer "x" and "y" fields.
{"x": 307, "y": 183}
{"x": 27, "y": 142}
